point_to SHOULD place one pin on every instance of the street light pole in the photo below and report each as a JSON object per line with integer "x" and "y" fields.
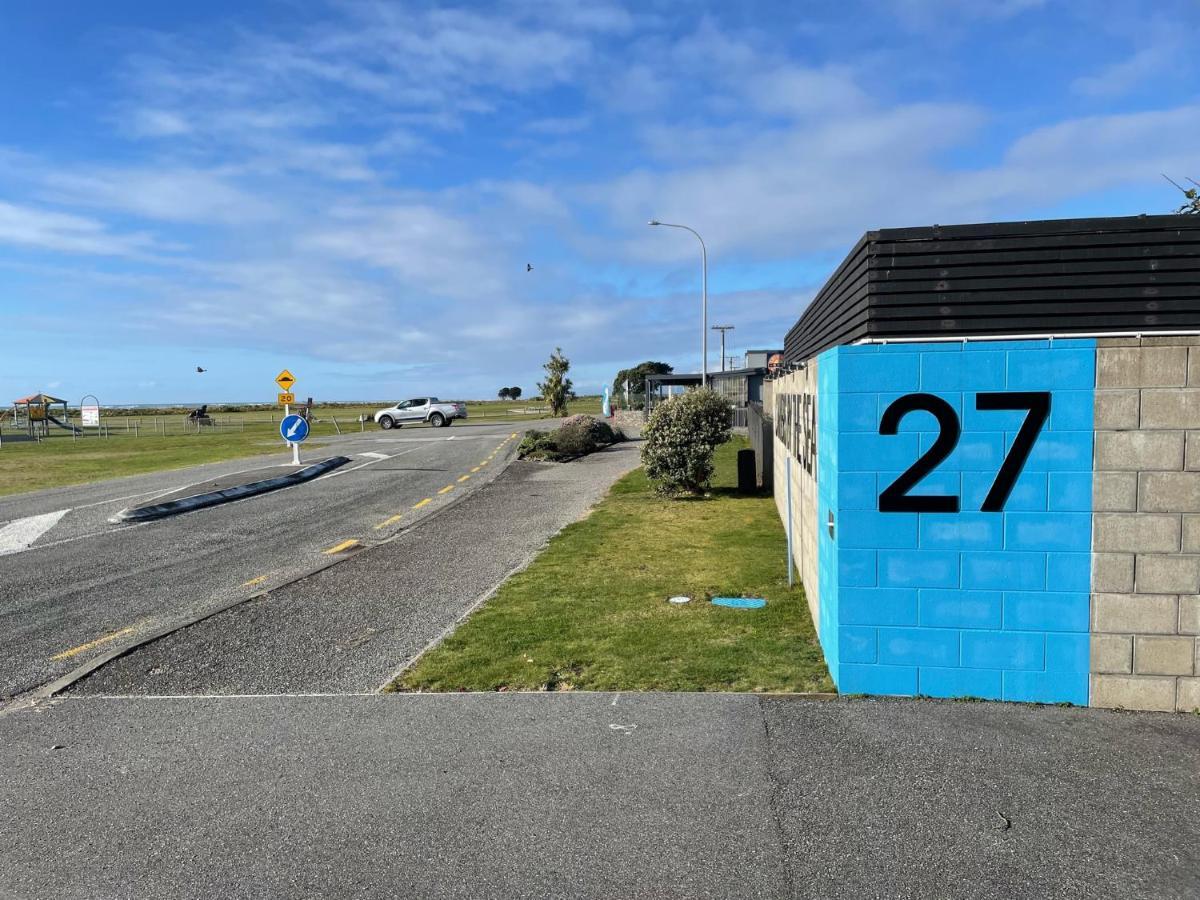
{"x": 703, "y": 298}
{"x": 722, "y": 329}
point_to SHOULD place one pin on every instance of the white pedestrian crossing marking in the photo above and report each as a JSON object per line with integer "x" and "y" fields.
{"x": 20, "y": 534}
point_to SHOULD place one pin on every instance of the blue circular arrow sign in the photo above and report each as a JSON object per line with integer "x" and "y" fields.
{"x": 293, "y": 428}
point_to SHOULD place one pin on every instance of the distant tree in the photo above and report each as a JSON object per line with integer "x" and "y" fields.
{"x": 1191, "y": 196}
{"x": 636, "y": 377}
{"x": 557, "y": 387}
{"x": 504, "y": 393}
{"x": 514, "y": 393}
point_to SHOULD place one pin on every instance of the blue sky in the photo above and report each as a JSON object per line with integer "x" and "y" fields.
{"x": 353, "y": 189}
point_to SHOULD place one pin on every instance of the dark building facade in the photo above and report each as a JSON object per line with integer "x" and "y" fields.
{"x": 1072, "y": 276}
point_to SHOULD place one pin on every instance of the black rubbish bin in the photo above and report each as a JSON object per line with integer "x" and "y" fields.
{"x": 747, "y": 474}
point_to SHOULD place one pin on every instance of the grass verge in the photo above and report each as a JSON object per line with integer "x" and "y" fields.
{"x": 591, "y": 612}
{"x": 58, "y": 460}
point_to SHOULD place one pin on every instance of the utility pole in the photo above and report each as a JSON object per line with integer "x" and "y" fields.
{"x": 722, "y": 329}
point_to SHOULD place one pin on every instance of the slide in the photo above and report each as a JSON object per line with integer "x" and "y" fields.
{"x": 63, "y": 425}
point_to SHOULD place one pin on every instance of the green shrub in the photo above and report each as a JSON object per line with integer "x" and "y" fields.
{"x": 680, "y": 439}
{"x": 577, "y": 436}
{"x": 534, "y": 442}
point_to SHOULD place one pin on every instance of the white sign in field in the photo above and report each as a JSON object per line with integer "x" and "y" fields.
{"x": 89, "y": 416}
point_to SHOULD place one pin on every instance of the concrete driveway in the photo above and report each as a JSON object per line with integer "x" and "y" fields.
{"x": 594, "y": 795}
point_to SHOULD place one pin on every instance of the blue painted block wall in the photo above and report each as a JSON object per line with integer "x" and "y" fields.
{"x": 982, "y": 604}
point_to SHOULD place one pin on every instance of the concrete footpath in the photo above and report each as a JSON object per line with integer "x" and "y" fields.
{"x": 594, "y": 795}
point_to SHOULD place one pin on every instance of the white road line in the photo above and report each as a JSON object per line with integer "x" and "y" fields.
{"x": 105, "y": 502}
{"x": 91, "y": 534}
{"x": 19, "y": 535}
{"x": 336, "y": 472}
{"x": 114, "y": 500}
{"x": 374, "y": 455}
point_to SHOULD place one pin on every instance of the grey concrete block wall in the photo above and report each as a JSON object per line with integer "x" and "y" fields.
{"x": 1146, "y": 524}
{"x": 804, "y": 486}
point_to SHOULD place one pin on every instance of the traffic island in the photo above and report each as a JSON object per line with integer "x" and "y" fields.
{"x": 226, "y": 489}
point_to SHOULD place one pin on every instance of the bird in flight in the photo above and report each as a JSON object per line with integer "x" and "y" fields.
{"x": 528, "y": 267}
{"x": 198, "y": 369}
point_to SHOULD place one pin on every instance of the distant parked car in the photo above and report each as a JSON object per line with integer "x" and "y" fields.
{"x": 420, "y": 409}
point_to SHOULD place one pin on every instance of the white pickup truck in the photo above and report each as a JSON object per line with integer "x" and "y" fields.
{"x": 420, "y": 409}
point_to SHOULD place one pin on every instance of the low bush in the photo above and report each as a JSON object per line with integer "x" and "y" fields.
{"x": 577, "y": 436}
{"x": 680, "y": 439}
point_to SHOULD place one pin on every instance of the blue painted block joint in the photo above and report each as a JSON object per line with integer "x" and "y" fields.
{"x": 991, "y": 600}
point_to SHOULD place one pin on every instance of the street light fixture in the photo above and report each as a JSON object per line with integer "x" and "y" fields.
{"x": 723, "y": 329}
{"x": 703, "y": 298}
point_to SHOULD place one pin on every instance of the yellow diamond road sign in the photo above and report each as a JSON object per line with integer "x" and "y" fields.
{"x": 285, "y": 380}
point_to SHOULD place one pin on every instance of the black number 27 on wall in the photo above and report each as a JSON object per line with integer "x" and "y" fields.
{"x": 896, "y": 497}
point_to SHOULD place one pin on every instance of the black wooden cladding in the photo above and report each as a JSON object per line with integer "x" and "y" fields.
{"x": 1068, "y": 276}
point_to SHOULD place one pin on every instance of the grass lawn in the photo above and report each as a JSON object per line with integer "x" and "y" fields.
{"x": 59, "y": 460}
{"x": 591, "y": 612}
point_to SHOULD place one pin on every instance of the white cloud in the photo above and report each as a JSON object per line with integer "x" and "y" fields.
{"x": 165, "y": 195}
{"x": 1161, "y": 48}
{"x": 158, "y": 123}
{"x": 791, "y": 192}
{"x": 559, "y": 125}
{"x": 44, "y": 229}
{"x": 426, "y": 249}
{"x": 943, "y": 14}
{"x": 783, "y": 190}
{"x": 1097, "y": 152}
{"x": 368, "y": 180}
{"x": 799, "y": 92}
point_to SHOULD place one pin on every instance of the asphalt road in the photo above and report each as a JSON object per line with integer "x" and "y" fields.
{"x": 347, "y": 629}
{"x": 595, "y": 795}
{"x": 83, "y": 586}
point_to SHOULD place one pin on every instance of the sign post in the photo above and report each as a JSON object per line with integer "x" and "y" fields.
{"x": 285, "y": 380}
{"x": 294, "y": 429}
{"x": 89, "y": 413}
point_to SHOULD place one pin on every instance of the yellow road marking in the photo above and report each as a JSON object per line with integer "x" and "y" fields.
{"x": 512, "y": 436}
{"x": 464, "y": 478}
{"x": 83, "y": 648}
{"x": 344, "y": 545}
{"x": 253, "y": 581}
{"x": 424, "y": 502}
{"x": 392, "y": 521}
{"x": 446, "y": 489}
{"x": 476, "y": 469}
{"x": 484, "y": 463}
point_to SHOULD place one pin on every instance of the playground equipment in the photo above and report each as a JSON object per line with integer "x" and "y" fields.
{"x": 35, "y": 414}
